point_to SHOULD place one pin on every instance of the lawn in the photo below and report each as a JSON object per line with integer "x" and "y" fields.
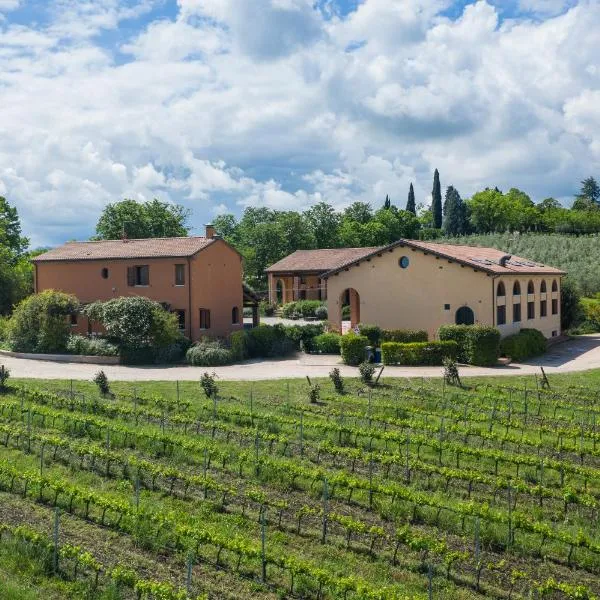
{"x": 408, "y": 489}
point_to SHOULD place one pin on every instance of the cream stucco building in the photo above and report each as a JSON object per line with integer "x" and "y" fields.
{"x": 422, "y": 285}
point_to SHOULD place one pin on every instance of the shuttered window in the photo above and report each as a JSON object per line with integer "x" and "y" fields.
{"x": 204, "y": 318}
{"x": 179, "y": 274}
{"x": 138, "y": 275}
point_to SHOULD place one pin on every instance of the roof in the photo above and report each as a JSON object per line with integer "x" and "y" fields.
{"x": 483, "y": 259}
{"x": 320, "y": 261}
{"x": 123, "y": 249}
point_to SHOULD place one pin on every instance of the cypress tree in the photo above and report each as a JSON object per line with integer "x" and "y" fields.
{"x": 455, "y": 221}
{"x": 388, "y": 203}
{"x": 436, "y": 205}
{"x": 410, "y": 205}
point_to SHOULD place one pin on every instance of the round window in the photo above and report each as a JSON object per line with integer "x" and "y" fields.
{"x": 404, "y": 262}
{"x": 104, "y": 273}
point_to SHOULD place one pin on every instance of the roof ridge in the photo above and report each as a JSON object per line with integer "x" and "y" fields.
{"x": 177, "y": 237}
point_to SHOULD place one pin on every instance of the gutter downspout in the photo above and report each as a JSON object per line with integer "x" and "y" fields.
{"x": 494, "y": 311}
{"x": 189, "y": 262}
{"x": 35, "y": 278}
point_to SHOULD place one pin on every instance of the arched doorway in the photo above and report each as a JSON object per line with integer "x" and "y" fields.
{"x": 349, "y": 309}
{"x": 280, "y": 291}
{"x": 465, "y": 316}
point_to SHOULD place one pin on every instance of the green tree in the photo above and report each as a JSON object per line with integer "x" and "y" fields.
{"x": 455, "y": 222}
{"x": 361, "y": 212}
{"x": 11, "y": 237}
{"x": 488, "y": 211}
{"x": 410, "y": 204}
{"x": 324, "y": 223}
{"x": 570, "y": 308}
{"x": 388, "y": 203}
{"x": 436, "y": 203}
{"x": 590, "y": 189}
{"x": 139, "y": 220}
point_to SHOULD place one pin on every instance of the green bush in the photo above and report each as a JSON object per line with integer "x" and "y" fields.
{"x": 79, "y": 344}
{"x": 40, "y": 323}
{"x": 418, "y": 353}
{"x": 524, "y": 345}
{"x": 266, "y": 309}
{"x": 238, "y": 342}
{"x": 404, "y": 336}
{"x": 304, "y": 308}
{"x": 209, "y": 353}
{"x": 373, "y": 332}
{"x": 353, "y": 348}
{"x": 366, "y": 370}
{"x": 302, "y": 335}
{"x": 346, "y": 312}
{"x": 478, "y": 344}
{"x": 4, "y": 324}
{"x": 321, "y": 313}
{"x": 266, "y": 341}
{"x": 327, "y": 343}
{"x": 173, "y": 352}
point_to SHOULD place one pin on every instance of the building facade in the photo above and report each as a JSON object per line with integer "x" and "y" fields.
{"x": 198, "y": 278}
{"x": 424, "y": 285}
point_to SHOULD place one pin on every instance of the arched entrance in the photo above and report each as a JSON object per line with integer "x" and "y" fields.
{"x": 349, "y": 309}
{"x": 280, "y": 291}
{"x": 465, "y": 316}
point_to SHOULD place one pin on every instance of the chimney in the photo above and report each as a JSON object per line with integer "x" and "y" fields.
{"x": 504, "y": 259}
{"x": 210, "y": 230}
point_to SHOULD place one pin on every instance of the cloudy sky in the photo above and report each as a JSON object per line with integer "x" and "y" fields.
{"x": 223, "y": 104}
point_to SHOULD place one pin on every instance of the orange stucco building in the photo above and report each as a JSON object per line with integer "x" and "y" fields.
{"x": 198, "y": 278}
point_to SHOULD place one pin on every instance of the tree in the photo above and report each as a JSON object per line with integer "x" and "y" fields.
{"x": 590, "y": 189}
{"x": 410, "y": 205}
{"x": 361, "y": 212}
{"x": 436, "y": 203}
{"x": 137, "y": 220}
{"x": 40, "y": 322}
{"x": 455, "y": 222}
{"x": 548, "y": 204}
{"x": 324, "y": 223}
{"x": 488, "y": 212}
{"x": 570, "y": 309}
{"x": 388, "y": 203}
{"x": 10, "y": 230}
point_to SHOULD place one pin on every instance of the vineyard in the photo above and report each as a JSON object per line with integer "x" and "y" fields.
{"x": 411, "y": 489}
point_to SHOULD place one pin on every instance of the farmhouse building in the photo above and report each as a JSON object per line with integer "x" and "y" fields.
{"x": 423, "y": 285}
{"x": 198, "y": 278}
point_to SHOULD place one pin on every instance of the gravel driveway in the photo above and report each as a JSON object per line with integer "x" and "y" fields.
{"x": 577, "y": 354}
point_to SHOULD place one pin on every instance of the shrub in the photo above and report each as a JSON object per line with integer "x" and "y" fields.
{"x": 238, "y": 342}
{"x": 40, "y": 322}
{"x": 404, "y": 336}
{"x": 373, "y": 332}
{"x": 478, "y": 344}
{"x": 4, "y": 324}
{"x": 366, "y": 370}
{"x": 173, "y": 352}
{"x": 101, "y": 380}
{"x": 451, "y": 375}
{"x": 303, "y": 335}
{"x": 353, "y": 348}
{"x": 261, "y": 340}
{"x": 209, "y": 353}
{"x": 4, "y": 375}
{"x": 336, "y": 379}
{"x": 418, "y": 353}
{"x": 79, "y": 344}
{"x": 570, "y": 311}
{"x": 209, "y": 384}
{"x": 524, "y": 345}
{"x": 327, "y": 343}
{"x": 304, "y": 308}
{"x": 314, "y": 393}
{"x": 266, "y": 308}
{"x": 321, "y": 313}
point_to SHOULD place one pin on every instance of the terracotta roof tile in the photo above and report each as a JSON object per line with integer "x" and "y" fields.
{"x": 319, "y": 261}
{"x": 123, "y": 249}
{"x": 485, "y": 259}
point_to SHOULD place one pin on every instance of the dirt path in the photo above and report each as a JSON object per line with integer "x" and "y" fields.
{"x": 577, "y": 354}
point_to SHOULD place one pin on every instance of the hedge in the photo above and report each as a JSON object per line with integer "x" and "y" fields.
{"x": 404, "y": 336}
{"x": 418, "y": 353}
{"x": 209, "y": 354}
{"x": 302, "y": 335}
{"x": 353, "y": 348}
{"x": 238, "y": 343}
{"x": 373, "y": 332}
{"x": 524, "y": 345}
{"x": 327, "y": 343}
{"x": 306, "y": 308}
{"x": 478, "y": 344}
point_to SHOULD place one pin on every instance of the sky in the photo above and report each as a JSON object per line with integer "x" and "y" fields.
{"x": 223, "y": 104}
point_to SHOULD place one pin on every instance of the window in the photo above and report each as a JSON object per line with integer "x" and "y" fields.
{"x": 501, "y": 315}
{"x": 544, "y": 308}
{"x": 554, "y": 306}
{"x": 464, "y": 316}
{"x": 235, "y": 315}
{"x": 139, "y": 275}
{"x": 179, "y": 274}
{"x": 180, "y": 318}
{"x": 104, "y": 273}
{"x": 517, "y": 312}
{"x": 501, "y": 290}
{"x": 554, "y": 333}
{"x": 446, "y": 307}
{"x": 543, "y": 287}
{"x": 404, "y": 262}
{"x": 517, "y": 289}
{"x": 74, "y": 320}
{"x": 530, "y": 288}
{"x": 531, "y": 310}
{"x": 204, "y": 318}
{"x": 554, "y": 286}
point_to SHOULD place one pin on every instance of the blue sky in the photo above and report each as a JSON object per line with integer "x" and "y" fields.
{"x": 224, "y": 104}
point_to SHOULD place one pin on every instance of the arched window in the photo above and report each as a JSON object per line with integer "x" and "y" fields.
{"x": 517, "y": 289}
{"x": 465, "y": 316}
{"x": 543, "y": 287}
{"x": 554, "y": 286}
{"x": 501, "y": 290}
{"x": 235, "y": 315}
{"x": 104, "y": 273}
{"x": 530, "y": 288}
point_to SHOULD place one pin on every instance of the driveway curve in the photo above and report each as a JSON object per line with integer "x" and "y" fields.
{"x": 575, "y": 354}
